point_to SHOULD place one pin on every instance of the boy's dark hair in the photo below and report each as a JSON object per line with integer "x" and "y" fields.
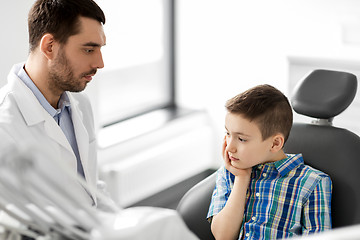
{"x": 267, "y": 106}
{"x": 60, "y": 18}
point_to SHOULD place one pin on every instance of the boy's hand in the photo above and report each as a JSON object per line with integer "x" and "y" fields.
{"x": 238, "y": 172}
{"x": 227, "y": 223}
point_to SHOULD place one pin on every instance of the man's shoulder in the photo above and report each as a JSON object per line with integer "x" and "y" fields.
{"x": 4, "y": 92}
{"x": 7, "y": 101}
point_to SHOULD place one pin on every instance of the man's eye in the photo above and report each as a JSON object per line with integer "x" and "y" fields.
{"x": 89, "y": 50}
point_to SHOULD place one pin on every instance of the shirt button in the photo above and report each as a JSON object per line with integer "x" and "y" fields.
{"x": 264, "y": 174}
{"x": 257, "y": 194}
{"x": 253, "y": 218}
{"x": 247, "y": 234}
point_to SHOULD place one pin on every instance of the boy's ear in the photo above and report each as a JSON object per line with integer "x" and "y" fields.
{"x": 278, "y": 142}
{"x": 47, "y": 46}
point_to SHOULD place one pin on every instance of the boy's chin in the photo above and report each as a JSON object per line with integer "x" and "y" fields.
{"x": 238, "y": 166}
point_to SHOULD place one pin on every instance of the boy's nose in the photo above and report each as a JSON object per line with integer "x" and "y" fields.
{"x": 230, "y": 146}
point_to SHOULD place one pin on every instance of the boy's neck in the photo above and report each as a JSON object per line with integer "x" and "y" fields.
{"x": 280, "y": 155}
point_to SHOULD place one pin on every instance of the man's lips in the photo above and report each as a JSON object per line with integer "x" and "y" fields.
{"x": 88, "y": 77}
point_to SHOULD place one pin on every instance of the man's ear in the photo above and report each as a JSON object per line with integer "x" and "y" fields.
{"x": 278, "y": 142}
{"x": 47, "y": 46}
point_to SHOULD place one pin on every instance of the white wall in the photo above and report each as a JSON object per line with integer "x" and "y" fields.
{"x": 14, "y": 37}
{"x": 227, "y": 46}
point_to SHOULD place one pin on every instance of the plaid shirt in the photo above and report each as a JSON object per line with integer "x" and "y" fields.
{"x": 285, "y": 198}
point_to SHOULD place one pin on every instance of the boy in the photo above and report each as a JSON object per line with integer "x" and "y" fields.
{"x": 261, "y": 192}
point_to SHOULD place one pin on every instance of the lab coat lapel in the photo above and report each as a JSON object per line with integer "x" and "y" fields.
{"x": 34, "y": 113}
{"x": 81, "y": 134}
{"x": 82, "y": 138}
{"x": 54, "y": 131}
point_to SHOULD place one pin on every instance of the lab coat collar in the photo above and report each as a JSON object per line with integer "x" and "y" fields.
{"x": 29, "y": 106}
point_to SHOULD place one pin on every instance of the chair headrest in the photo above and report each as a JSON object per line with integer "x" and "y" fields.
{"x": 324, "y": 94}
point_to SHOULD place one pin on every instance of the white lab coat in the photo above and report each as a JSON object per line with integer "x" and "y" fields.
{"x": 24, "y": 121}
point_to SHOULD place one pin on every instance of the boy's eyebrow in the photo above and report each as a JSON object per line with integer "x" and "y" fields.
{"x": 239, "y": 133}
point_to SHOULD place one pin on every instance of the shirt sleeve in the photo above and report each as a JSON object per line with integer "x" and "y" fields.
{"x": 220, "y": 194}
{"x": 317, "y": 209}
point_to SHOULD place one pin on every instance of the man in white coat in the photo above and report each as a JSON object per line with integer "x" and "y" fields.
{"x": 42, "y": 103}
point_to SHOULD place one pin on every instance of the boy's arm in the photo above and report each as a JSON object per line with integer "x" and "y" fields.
{"x": 227, "y": 223}
{"x": 317, "y": 210}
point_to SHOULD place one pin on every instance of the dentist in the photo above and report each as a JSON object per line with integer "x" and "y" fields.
{"x": 41, "y": 103}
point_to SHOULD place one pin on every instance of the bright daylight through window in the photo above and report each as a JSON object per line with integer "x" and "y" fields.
{"x": 137, "y": 77}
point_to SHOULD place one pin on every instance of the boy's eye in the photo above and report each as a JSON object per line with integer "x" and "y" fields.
{"x": 242, "y": 140}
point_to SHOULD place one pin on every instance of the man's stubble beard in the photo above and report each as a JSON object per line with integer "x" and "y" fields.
{"x": 61, "y": 76}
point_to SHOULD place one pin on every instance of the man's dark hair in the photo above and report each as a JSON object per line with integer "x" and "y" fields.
{"x": 267, "y": 107}
{"x": 60, "y": 18}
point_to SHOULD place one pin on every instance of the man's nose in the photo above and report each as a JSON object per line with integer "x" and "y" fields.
{"x": 98, "y": 62}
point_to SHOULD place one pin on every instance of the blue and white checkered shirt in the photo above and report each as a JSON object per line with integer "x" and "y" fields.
{"x": 285, "y": 198}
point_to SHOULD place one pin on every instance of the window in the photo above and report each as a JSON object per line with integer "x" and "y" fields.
{"x": 138, "y": 76}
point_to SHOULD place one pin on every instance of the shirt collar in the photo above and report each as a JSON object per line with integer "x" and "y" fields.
{"x": 63, "y": 102}
{"x": 289, "y": 163}
{"x": 285, "y": 165}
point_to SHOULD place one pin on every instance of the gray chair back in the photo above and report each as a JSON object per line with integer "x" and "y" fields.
{"x": 336, "y": 151}
{"x": 194, "y": 205}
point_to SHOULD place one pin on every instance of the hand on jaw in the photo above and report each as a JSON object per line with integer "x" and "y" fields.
{"x": 238, "y": 172}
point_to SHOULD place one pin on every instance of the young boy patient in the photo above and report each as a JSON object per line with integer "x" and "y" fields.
{"x": 262, "y": 192}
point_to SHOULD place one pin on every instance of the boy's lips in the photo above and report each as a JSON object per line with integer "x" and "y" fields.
{"x": 233, "y": 158}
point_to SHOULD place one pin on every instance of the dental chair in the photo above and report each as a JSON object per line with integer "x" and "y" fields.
{"x": 322, "y": 95}
{"x": 39, "y": 204}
